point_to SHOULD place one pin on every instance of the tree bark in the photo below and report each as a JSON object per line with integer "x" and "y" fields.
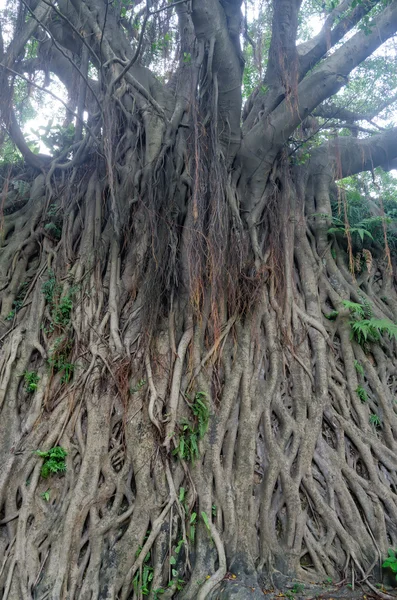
{"x": 174, "y": 318}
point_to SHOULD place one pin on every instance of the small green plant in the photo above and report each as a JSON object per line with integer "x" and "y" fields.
{"x": 60, "y": 306}
{"x": 332, "y": 315}
{"x": 182, "y": 494}
{"x": 192, "y": 529}
{"x": 50, "y": 288}
{"x": 362, "y": 394}
{"x": 143, "y": 585}
{"x": 18, "y": 302}
{"x": 46, "y": 495}
{"x": 355, "y": 308}
{"x": 204, "y": 516}
{"x": 31, "y": 381}
{"x": 298, "y": 588}
{"x": 328, "y": 580}
{"x": 364, "y": 327}
{"x": 137, "y": 388}
{"x": 58, "y": 359}
{"x": 179, "y": 546}
{"x": 359, "y": 368}
{"x": 187, "y": 57}
{"x": 53, "y": 230}
{"x": 360, "y": 230}
{"x": 180, "y": 584}
{"x": 54, "y": 461}
{"x": 371, "y": 330}
{"x": 192, "y": 433}
{"x": 61, "y": 312}
{"x": 391, "y": 561}
{"x": 375, "y": 420}
{"x": 201, "y": 411}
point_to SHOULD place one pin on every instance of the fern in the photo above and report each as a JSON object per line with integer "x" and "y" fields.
{"x": 362, "y": 394}
{"x": 54, "y": 461}
{"x": 360, "y": 231}
{"x": 355, "y": 308}
{"x": 192, "y": 433}
{"x": 359, "y": 368}
{"x": 371, "y": 330}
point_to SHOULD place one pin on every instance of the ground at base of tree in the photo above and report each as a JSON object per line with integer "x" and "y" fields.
{"x": 239, "y": 588}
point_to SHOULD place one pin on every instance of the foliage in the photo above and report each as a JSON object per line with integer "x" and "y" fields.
{"x": 9, "y": 154}
{"x": 368, "y": 329}
{"x": 46, "y": 495}
{"x": 359, "y": 368}
{"x": 192, "y": 526}
{"x": 362, "y": 394}
{"x": 391, "y": 561}
{"x": 370, "y": 201}
{"x": 142, "y": 581}
{"x": 53, "y": 229}
{"x": 360, "y": 229}
{"x": 355, "y": 308}
{"x": 60, "y": 306}
{"x": 31, "y": 381}
{"x": 54, "y": 461}
{"x": 374, "y": 419}
{"x": 18, "y": 302}
{"x": 55, "y": 136}
{"x": 372, "y": 329}
{"x": 59, "y": 359}
{"x": 192, "y": 433}
{"x": 137, "y": 388}
{"x": 332, "y": 315}
{"x": 206, "y": 520}
{"x": 50, "y": 288}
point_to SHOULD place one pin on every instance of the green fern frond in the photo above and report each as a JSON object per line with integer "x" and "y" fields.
{"x": 354, "y": 307}
{"x": 372, "y": 329}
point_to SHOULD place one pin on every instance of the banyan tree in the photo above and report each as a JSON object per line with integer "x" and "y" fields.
{"x": 198, "y": 339}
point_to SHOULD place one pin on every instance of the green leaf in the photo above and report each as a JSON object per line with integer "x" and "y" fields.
{"x": 46, "y": 496}
{"x": 182, "y": 447}
{"x": 206, "y": 521}
{"x": 354, "y": 307}
{"x": 172, "y": 560}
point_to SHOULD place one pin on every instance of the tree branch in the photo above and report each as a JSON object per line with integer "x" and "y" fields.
{"x": 61, "y": 50}
{"x": 281, "y": 78}
{"x": 349, "y": 155}
{"x": 18, "y": 138}
{"x": 20, "y": 40}
{"x": 327, "y": 38}
{"x": 225, "y": 61}
{"x": 266, "y": 138}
